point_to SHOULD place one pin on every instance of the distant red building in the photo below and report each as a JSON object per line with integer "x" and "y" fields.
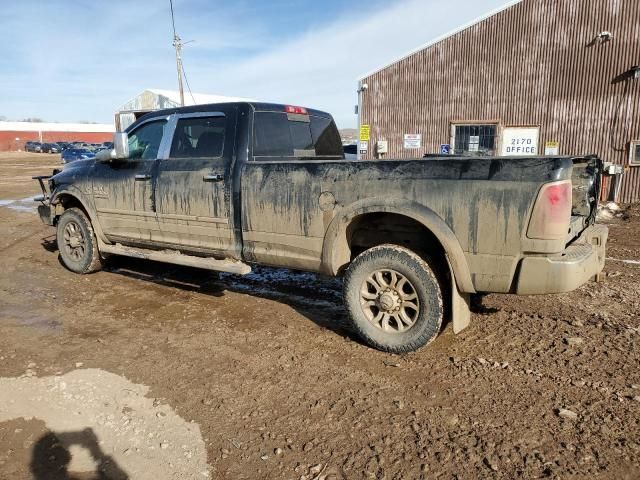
{"x": 13, "y": 135}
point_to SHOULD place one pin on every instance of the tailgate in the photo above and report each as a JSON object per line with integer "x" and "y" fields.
{"x": 586, "y": 180}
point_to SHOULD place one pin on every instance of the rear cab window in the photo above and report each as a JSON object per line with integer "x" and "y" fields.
{"x": 290, "y": 136}
{"x": 198, "y": 137}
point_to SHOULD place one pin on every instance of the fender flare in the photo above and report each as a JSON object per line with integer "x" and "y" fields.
{"x": 336, "y": 252}
{"x": 77, "y": 194}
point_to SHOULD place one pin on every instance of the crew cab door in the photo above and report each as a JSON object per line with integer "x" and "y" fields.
{"x": 193, "y": 187}
{"x": 123, "y": 189}
{"x": 286, "y": 195}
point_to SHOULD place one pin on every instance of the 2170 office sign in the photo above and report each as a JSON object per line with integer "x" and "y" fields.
{"x": 519, "y": 141}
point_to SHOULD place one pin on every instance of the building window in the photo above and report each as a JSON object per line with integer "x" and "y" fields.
{"x": 634, "y": 153}
{"x": 474, "y": 139}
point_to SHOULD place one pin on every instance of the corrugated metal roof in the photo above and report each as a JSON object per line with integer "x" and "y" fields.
{"x": 55, "y": 127}
{"x": 443, "y": 37}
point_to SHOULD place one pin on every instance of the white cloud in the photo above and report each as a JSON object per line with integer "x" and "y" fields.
{"x": 320, "y": 68}
{"x": 81, "y": 60}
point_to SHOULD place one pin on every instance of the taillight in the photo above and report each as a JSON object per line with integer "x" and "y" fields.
{"x": 551, "y": 215}
{"x": 298, "y": 110}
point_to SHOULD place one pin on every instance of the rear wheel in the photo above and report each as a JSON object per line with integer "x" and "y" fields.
{"x": 77, "y": 243}
{"x": 393, "y": 298}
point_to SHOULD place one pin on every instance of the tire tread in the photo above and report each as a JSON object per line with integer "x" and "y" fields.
{"x": 413, "y": 261}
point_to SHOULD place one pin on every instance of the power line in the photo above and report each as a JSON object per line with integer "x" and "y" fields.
{"x": 188, "y": 86}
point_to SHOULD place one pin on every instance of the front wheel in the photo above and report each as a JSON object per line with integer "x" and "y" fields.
{"x": 393, "y": 298}
{"x": 77, "y": 242}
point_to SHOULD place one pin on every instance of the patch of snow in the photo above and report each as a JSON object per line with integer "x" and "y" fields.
{"x": 22, "y": 208}
{"x": 631, "y": 262}
{"x": 608, "y": 211}
{"x": 21, "y": 205}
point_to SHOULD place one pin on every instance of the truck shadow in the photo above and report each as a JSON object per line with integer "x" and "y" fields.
{"x": 51, "y": 458}
{"x": 315, "y": 297}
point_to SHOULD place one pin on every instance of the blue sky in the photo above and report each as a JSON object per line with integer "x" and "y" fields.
{"x": 81, "y": 59}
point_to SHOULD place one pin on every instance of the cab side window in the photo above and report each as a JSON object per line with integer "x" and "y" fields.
{"x": 144, "y": 142}
{"x": 198, "y": 137}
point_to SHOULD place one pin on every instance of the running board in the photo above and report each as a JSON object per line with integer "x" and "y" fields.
{"x": 177, "y": 258}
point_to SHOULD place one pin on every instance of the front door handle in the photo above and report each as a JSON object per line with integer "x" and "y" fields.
{"x": 143, "y": 176}
{"x": 215, "y": 177}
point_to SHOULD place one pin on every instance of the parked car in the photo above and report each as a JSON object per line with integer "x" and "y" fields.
{"x": 64, "y": 145}
{"x": 33, "y": 147}
{"x": 231, "y": 185}
{"x": 107, "y": 145}
{"x": 50, "y": 148}
{"x": 350, "y": 151}
{"x": 73, "y": 154}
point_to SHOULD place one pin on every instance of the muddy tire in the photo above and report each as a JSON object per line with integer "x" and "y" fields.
{"x": 77, "y": 243}
{"x": 393, "y": 298}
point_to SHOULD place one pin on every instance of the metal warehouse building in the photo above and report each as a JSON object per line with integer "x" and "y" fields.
{"x": 155, "y": 99}
{"x": 534, "y": 77}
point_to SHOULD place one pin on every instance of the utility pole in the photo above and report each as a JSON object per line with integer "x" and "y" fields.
{"x": 177, "y": 43}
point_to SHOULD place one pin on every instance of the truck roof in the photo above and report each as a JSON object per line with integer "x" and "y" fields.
{"x": 256, "y": 106}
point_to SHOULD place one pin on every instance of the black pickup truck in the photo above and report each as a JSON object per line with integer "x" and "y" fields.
{"x": 225, "y": 186}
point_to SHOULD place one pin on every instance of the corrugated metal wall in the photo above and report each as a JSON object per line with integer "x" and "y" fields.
{"x": 536, "y": 63}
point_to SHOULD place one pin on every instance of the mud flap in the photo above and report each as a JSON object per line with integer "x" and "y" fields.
{"x": 460, "y": 310}
{"x": 44, "y": 211}
{"x": 460, "y": 305}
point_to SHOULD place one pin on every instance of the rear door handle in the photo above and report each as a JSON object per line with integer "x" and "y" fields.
{"x": 216, "y": 177}
{"x": 143, "y": 176}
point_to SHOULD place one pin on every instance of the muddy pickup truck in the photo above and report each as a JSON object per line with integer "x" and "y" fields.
{"x": 225, "y": 186}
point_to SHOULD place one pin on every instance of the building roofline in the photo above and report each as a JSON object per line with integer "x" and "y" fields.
{"x": 439, "y": 39}
{"x": 173, "y": 96}
{"x": 56, "y": 127}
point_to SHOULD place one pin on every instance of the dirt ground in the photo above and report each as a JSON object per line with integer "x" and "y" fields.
{"x": 257, "y": 378}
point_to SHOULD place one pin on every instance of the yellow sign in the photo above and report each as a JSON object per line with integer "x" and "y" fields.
{"x": 364, "y": 133}
{"x": 551, "y": 148}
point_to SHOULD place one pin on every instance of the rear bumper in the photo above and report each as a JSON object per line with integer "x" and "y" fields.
{"x": 581, "y": 261}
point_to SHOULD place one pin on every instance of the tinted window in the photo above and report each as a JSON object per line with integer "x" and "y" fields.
{"x": 351, "y": 149}
{"x": 144, "y": 141}
{"x": 198, "y": 137}
{"x": 277, "y": 134}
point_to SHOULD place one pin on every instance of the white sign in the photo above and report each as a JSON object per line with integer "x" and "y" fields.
{"x": 364, "y": 147}
{"x": 412, "y": 140}
{"x": 474, "y": 143}
{"x": 519, "y": 141}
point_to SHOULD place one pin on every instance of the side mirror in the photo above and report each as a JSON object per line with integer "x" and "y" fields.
{"x": 120, "y": 149}
{"x": 121, "y": 145}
